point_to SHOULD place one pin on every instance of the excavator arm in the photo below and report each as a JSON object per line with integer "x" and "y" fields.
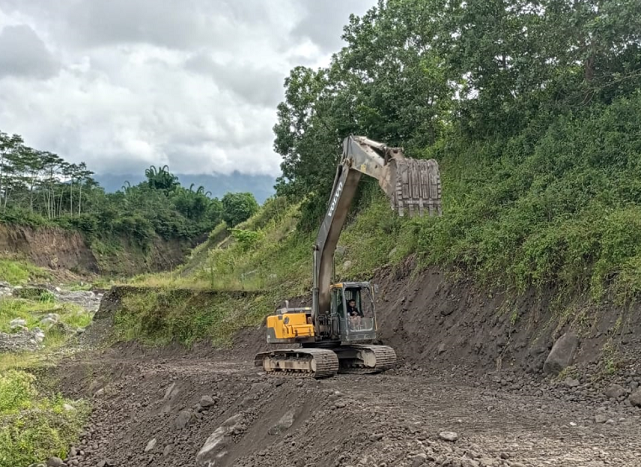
{"x": 412, "y": 186}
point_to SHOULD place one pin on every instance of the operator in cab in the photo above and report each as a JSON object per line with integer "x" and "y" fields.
{"x": 354, "y": 314}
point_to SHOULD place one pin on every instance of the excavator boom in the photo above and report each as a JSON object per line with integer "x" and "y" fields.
{"x": 329, "y": 339}
{"x": 412, "y": 186}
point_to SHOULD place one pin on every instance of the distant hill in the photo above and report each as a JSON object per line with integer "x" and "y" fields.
{"x": 262, "y": 186}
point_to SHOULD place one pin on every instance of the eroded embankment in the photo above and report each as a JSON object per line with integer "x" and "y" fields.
{"x": 435, "y": 320}
{"x": 56, "y": 248}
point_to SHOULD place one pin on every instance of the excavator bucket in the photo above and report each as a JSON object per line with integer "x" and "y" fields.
{"x": 413, "y": 186}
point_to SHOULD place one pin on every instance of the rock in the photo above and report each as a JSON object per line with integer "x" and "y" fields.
{"x": 635, "y": 398}
{"x": 448, "y": 436}
{"x": 68, "y": 408}
{"x": 38, "y": 335}
{"x": 419, "y": 459}
{"x": 285, "y": 422}
{"x": 150, "y": 445}
{"x": 470, "y": 463}
{"x": 183, "y": 419}
{"x": 206, "y": 402}
{"x": 50, "y": 318}
{"x": 55, "y": 462}
{"x": 572, "y": 383}
{"x": 600, "y": 418}
{"x": 215, "y": 447}
{"x": 171, "y": 391}
{"x": 614, "y": 391}
{"x": 167, "y": 450}
{"x": 347, "y": 265}
{"x": 562, "y": 354}
{"x": 441, "y": 349}
{"x": 17, "y": 323}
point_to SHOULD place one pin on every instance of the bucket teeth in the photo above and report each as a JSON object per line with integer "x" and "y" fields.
{"x": 417, "y": 188}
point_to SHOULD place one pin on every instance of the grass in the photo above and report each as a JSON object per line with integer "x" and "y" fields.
{"x": 162, "y": 316}
{"x": 35, "y": 426}
{"x": 17, "y": 272}
{"x": 32, "y": 312}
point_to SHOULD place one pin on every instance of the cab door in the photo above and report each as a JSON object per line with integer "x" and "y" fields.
{"x": 339, "y": 323}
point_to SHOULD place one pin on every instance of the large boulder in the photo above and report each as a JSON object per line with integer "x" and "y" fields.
{"x": 635, "y": 398}
{"x": 562, "y": 354}
{"x": 217, "y": 445}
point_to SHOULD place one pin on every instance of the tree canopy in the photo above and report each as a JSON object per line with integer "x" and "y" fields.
{"x": 38, "y": 187}
{"x": 238, "y": 207}
{"x": 413, "y": 73}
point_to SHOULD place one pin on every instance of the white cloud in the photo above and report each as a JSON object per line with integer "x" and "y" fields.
{"x": 123, "y": 84}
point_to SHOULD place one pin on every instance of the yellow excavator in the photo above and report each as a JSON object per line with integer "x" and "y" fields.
{"x": 336, "y": 332}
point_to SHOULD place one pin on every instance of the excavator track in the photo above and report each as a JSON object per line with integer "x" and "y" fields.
{"x": 365, "y": 359}
{"x": 317, "y": 363}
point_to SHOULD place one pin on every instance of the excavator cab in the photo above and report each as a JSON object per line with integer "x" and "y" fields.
{"x": 349, "y": 329}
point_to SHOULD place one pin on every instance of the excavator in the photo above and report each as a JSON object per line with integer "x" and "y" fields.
{"x": 325, "y": 338}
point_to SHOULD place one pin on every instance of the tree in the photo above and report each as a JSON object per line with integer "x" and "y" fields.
{"x": 161, "y": 179}
{"x": 238, "y": 207}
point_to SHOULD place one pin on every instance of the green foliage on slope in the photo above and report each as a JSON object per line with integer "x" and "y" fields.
{"x": 35, "y": 426}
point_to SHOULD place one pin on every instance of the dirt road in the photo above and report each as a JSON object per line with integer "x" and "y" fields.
{"x": 219, "y": 411}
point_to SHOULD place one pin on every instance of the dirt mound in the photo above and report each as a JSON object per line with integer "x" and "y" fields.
{"x": 437, "y": 321}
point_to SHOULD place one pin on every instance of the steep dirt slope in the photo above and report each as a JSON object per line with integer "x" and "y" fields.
{"x": 57, "y": 248}
{"x": 436, "y": 321}
{"x": 48, "y": 247}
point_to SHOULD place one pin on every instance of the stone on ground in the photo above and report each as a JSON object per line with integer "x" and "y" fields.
{"x": 448, "y": 436}
{"x": 562, "y": 354}
{"x": 215, "y": 446}
{"x": 150, "y": 445}
{"x": 635, "y": 398}
{"x": 615, "y": 391}
{"x": 283, "y": 424}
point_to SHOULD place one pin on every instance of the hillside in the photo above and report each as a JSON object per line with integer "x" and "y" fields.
{"x": 515, "y": 315}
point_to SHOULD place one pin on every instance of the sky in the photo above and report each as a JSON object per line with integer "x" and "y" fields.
{"x": 124, "y": 84}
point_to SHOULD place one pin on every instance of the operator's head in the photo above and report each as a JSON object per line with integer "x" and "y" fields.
{"x": 352, "y": 302}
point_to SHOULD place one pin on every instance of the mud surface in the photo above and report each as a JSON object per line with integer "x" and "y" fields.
{"x": 160, "y": 410}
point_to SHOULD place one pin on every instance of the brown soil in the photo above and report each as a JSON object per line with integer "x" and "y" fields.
{"x": 63, "y": 250}
{"x": 469, "y": 363}
{"x": 393, "y": 419}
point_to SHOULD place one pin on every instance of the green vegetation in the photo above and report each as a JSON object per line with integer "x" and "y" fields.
{"x": 164, "y": 315}
{"x": 39, "y": 188}
{"x": 33, "y": 310}
{"x": 34, "y": 426}
{"x": 533, "y": 112}
{"x": 238, "y": 207}
{"x": 20, "y": 272}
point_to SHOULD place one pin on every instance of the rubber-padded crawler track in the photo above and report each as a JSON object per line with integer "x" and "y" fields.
{"x": 318, "y": 363}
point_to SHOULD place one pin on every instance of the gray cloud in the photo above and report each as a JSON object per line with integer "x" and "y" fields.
{"x": 260, "y": 86}
{"x": 323, "y": 21}
{"x": 143, "y": 82}
{"x": 22, "y": 53}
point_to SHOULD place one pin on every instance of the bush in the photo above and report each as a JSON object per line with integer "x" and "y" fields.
{"x": 238, "y": 207}
{"x": 34, "y": 427}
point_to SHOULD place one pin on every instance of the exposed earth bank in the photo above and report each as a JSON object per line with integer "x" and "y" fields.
{"x": 59, "y": 249}
{"x": 470, "y": 390}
